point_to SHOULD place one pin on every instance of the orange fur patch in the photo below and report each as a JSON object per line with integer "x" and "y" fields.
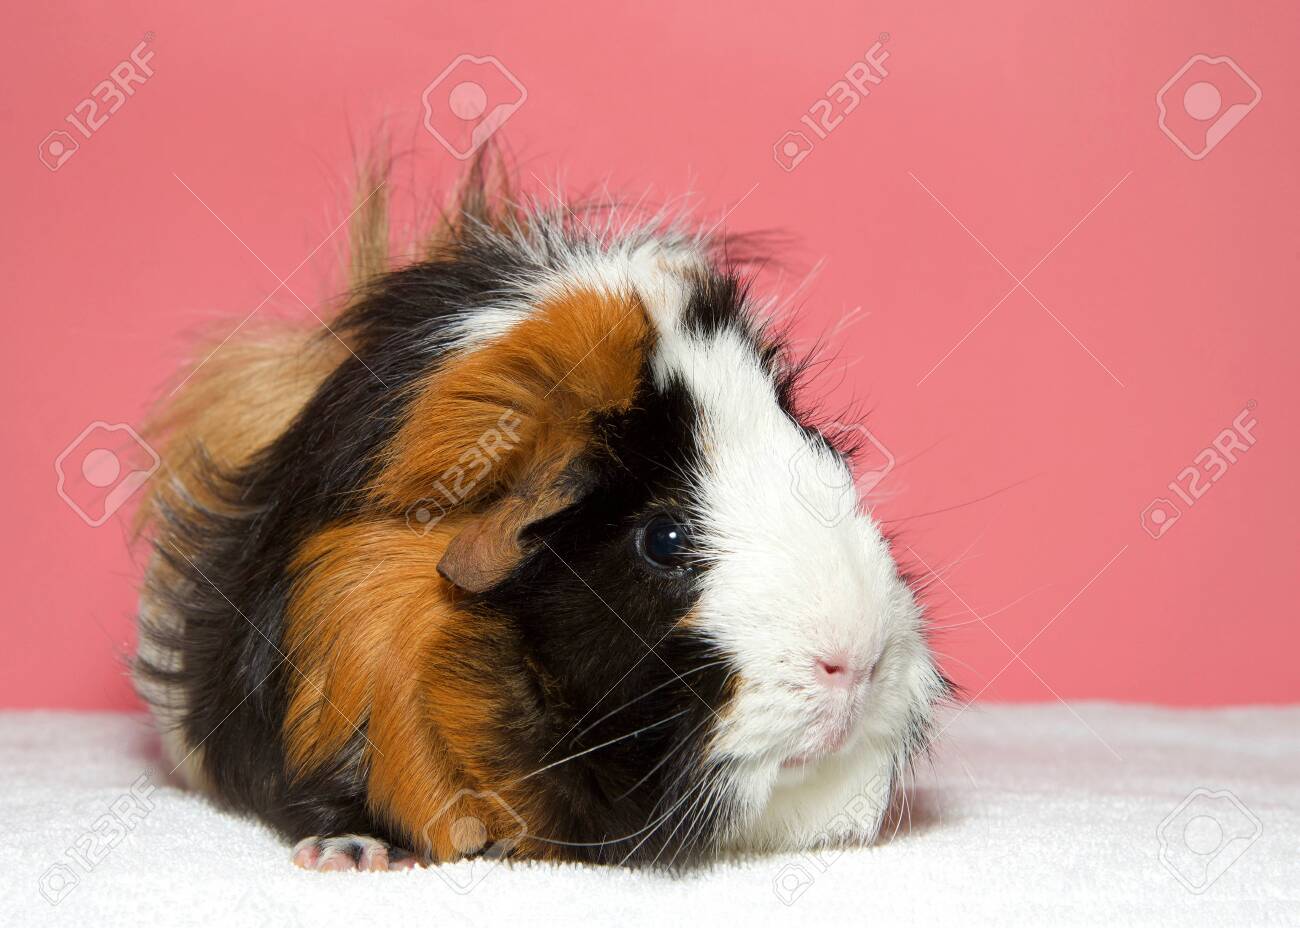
{"x": 497, "y": 427}
{"x": 574, "y": 356}
{"x": 380, "y": 645}
{"x": 381, "y": 640}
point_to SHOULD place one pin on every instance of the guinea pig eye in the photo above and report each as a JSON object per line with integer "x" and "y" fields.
{"x": 666, "y": 543}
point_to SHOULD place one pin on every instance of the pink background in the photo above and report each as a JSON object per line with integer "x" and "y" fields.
{"x": 1018, "y": 117}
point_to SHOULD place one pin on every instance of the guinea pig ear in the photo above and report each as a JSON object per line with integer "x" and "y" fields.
{"x": 483, "y": 553}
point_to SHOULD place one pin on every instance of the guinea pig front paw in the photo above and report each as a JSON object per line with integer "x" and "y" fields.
{"x": 350, "y": 852}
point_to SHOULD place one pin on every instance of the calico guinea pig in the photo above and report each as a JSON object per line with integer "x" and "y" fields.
{"x": 525, "y": 553}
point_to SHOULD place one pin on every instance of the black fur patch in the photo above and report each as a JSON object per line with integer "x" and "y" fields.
{"x": 233, "y": 560}
{"x": 592, "y": 613}
{"x": 602, "y": 623}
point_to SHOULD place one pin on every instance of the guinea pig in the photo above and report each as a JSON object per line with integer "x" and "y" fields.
{"x": 525, "y": 553}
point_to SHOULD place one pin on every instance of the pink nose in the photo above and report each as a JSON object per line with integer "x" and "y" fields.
{"x": 834, "y": 671}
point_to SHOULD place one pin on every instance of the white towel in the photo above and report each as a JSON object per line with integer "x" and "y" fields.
{"x": 1040, "y": 815}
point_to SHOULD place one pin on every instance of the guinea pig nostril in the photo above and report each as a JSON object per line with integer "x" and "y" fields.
{"x": 834, "y": 671}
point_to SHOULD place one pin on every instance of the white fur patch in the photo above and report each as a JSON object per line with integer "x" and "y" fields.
{"x": 794, "y": 573}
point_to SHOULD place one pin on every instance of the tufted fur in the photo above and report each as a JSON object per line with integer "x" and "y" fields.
{"x": 401, "y": 586}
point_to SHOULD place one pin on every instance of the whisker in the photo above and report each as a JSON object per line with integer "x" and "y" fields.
{"x": 972, "y": 502}
{"x": 948, "y": 658}
{"x": 701, "y": 817}
{"x": 667, "y": 791}
{"x": 944, "y": 628}
{"x": 663, "y": 818}
{"x": 942, "y": 573}
{"x": 700, "y": 795}
{"x": 609, "y": 841}
{"x": 704, "y": 809}
{"x": 902, "y": 789}
{"x": 979, "y": 618}
{"x": 693, "y": 815}
{"x": 907, "y": 796}
{"x": 663, "y": 760}
{"x": 604, "y": 744}
{"x": 634, "y": 699}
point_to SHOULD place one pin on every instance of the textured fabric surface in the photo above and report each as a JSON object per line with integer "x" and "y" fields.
{"x": 1092, "y": 815}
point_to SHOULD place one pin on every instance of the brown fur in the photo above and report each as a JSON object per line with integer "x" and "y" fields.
{"x": 244, "y": 390}
{"x": 376, "y": 626}
{"x": 375, "y": 636}
{"x": 570, "y": 358}
{"x": 540, "y": 384}
{"x": 368, "y": 227}
{"x": 235, "y": 403}
{"x": 229, "y": 406}
{"x": 379, "y": 642}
